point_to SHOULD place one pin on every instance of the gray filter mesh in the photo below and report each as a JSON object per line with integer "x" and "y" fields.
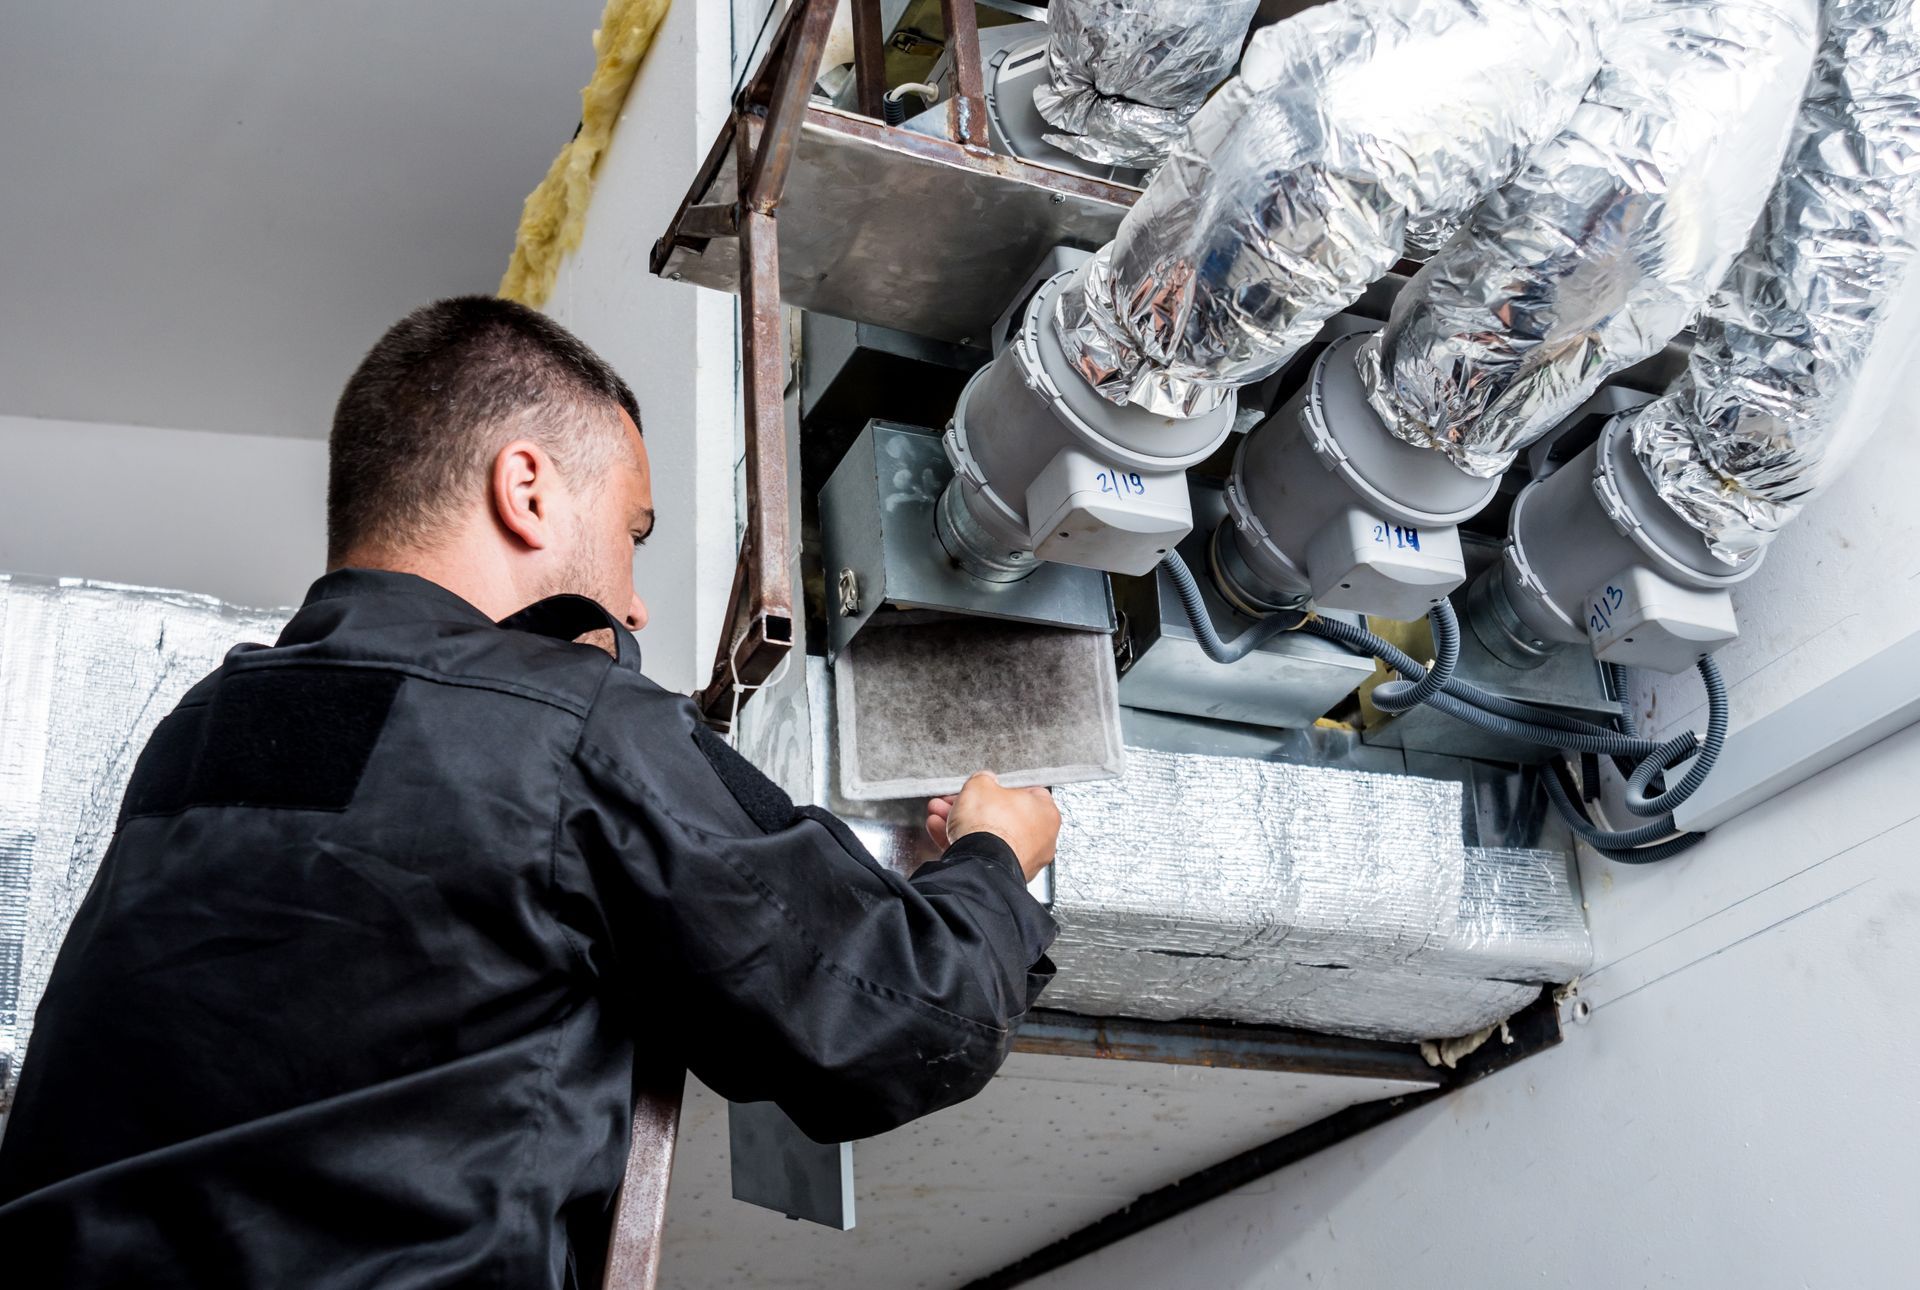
{"x": 1309, "y": 896}
{"x": 86, "y": 672}
{"x": 922, "y": 707}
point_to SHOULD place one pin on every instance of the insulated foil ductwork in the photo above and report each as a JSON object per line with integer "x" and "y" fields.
{"x": 1124, "y": 76}
{"x": 87, "y": 670}
{"x": 1312, "y": 896}
{"x": 1770, "y": 406}
{"x": 1609, "y": 240}
{"x": 1350, "y": 128}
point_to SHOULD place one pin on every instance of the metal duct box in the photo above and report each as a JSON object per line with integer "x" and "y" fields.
{"x": 1289, "y": 682}
{"x": 879, "y": 547}
{"x": 1568, "y": 682}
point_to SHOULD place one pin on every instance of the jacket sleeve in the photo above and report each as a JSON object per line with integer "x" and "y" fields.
{"x": 785, "y": 962}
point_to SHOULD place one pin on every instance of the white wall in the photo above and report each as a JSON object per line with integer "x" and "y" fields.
{"x": 241, "y": 517}
{"x": 674, "y": 343}
{"x": 1738, "y": 1111}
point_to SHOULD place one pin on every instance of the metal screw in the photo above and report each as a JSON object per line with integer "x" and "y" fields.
{"x": 1059, "y": 198}
{"x": 675, "y": 277}
{"x": 849, "y": 593}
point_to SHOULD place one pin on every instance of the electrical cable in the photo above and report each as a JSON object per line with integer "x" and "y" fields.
{"x": 1716, "y": 738}
{"x": 1221, "y": 651}
{"x": 1437, "y": 687}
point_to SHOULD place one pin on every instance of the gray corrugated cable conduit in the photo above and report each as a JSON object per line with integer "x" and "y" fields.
{"x": 1466, "y": 702}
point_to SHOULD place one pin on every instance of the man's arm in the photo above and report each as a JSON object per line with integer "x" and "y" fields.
{"x": 782, "y": 959}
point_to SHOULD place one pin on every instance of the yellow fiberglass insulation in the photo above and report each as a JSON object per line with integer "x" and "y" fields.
{"x": 556, "y": 211}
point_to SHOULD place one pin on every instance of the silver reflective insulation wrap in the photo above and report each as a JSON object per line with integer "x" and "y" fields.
{"x": 1608, "y": 242}
{"x": 1124, "y": 76}
{"x": 87, "y": 670}
{"x": 1349, "y": 125}
{"x": 1770, "y": 406}
{"x": 1336, "y": 900}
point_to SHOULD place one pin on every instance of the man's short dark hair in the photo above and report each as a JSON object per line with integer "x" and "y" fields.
{"x": 442, "y": 392}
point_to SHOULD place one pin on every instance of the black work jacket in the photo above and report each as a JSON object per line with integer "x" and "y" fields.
{"x": 398, "y": 913}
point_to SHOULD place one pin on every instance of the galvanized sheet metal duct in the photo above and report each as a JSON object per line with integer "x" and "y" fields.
{"x": 1609, "y": 240}
{"x": 1332, "y": 899}
{"x": 1770, "y": 406}
{"x": 1124, "y": 76}
{"x": 1351, "y": 127}
{"x": 87, "y": 670}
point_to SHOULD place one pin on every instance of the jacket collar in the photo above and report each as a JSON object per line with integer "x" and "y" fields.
{"x": 382, "y": 597}
{"x": 344, "y": 583}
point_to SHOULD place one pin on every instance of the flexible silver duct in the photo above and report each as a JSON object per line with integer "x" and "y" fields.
{"x": 1770, "y": 406}
{"x": 1124, "y": 76}
{"x": 1350, "y": 126}
{"x": 1609, "y": 240}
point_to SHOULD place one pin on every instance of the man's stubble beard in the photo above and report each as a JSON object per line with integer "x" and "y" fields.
{"x": 580, "y": 577}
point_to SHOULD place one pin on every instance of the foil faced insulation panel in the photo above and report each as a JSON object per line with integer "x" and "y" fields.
{"x": 87, "y": 669}
{"x": 1334, "y": 900}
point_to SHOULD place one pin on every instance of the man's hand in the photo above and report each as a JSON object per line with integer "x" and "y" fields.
{"x": 1024, "y": 818}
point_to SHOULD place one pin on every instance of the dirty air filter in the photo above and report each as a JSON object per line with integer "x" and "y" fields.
{"x": 87, "y": 670}
{"x": 1329, "y": 899}
{"x": 923, "y": 706}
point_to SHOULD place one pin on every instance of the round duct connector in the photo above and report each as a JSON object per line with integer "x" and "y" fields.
{"x": 1015, "y": 127}
{"x": 972, "y": 546}
{"x": 1594, "y": 555}
{"x": 1043, "y": 464}
{"x": 1322, "y": 481}
{"x": 1236, "y": 583}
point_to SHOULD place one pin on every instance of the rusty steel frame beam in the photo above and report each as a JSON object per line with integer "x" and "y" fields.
{"x": 1220, "y": 1045}
{"x": 640, "y": 1207}
{"x": 967, "y": 105}
{"x": 869, "y": 59}
{"x": 763, "y": 133}
{"x": 757, "y": 631}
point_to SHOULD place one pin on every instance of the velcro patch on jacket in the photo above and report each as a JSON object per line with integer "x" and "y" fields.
{"x": 764, "y": 801}
{"x": 296, "y": 739}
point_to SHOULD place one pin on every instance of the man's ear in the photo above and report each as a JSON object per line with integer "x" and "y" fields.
{"x": 521, "y": 489}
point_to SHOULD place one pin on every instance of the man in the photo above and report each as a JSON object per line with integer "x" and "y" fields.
{"x": 402, "y": 909}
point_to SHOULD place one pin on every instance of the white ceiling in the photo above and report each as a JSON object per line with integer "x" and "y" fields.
{"x": 209, "y": 209}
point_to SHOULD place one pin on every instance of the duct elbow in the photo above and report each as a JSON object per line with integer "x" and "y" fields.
{"x": 1295, "y": 186}
{"x": 1607, "y": 242}
{"x": 1773, "y": 403}
{"x": 1124, "y": 76}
